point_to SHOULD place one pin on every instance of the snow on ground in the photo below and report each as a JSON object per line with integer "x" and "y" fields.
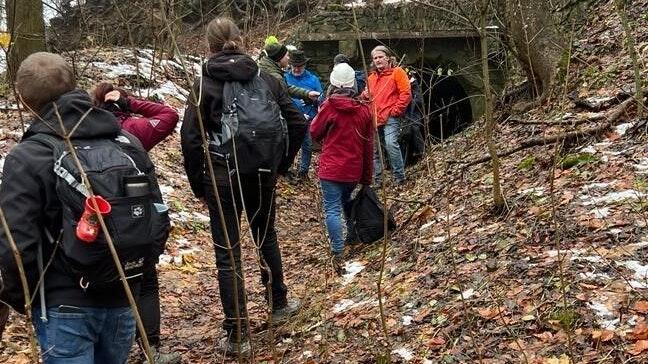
{"x": 404, "y": 353}
{"x": 351, "y": 268}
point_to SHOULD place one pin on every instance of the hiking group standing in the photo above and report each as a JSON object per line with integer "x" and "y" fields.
{"x": 255, "y": 117}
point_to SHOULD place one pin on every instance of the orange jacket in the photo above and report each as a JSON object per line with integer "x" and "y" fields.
{"x": 391, "y": 93}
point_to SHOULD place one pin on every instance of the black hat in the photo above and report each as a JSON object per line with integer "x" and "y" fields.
{"x": 276, "y": 51}
{"x": 341, "y": 58}
{"x": 298, "y": 58}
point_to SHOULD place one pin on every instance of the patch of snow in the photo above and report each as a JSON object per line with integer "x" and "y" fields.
{"x": 307, "y": 354}
{"x": 591, "y": 276}
{"x": 182, "y": 242}
{"x": 601, "y": 213}
{"x": 612, "y": 197}
{"x": 607, "y": 319}
{"x": 404, "y": 353}
{"x": 114, "y": 71}
{"x": 615, "y": 231}
{"x": 534, "y": 191}
{"x": 640, "y": 273}
{"x": 426, "y": 226}
{"x": 356, "y": 3}
{"x": 588, "y": 149}
{"x": 590, "y": 258}
{"x": 395, "y": 1}
{"x": 603, "y": 144}
{"x": 165, "y": 259}
{"x": 343, "y": 305}
{"x": 407, "y": 320}
{"x": 201, "y": 217}
{"x": 642, "y": 166}
{"x": 466, "y": 294}
{"x": 621, "y": 129}
{"x": 168, "y": 88}
{"x": 438, "y": 239}
{"x": 166, "y": 190}
{"x": 596, "y": 186}
{"x": 554, "y": 253}
{"x": 351, "y": 268}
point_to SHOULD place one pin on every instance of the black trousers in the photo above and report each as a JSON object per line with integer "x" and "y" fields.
{"x": 148, "y": 306}
{"x": 259, "y": 203}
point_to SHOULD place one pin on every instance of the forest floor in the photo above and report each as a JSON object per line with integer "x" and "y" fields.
{"x": 563, "y": 274}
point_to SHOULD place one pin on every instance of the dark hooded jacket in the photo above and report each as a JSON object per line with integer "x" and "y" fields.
{"x": 230, "y": 66}
{"x": 31, "y": 205}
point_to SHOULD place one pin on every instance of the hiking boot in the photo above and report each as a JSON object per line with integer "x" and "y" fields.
{"x": 282, "y": 314}
{"x": 228, "y": 346}
{"x": 351, "y": 241}
{"x": 164, "y": 358}
{"x": 338, "y": 263}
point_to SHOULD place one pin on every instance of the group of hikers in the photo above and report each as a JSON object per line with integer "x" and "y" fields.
{"x": 82, "y": 169}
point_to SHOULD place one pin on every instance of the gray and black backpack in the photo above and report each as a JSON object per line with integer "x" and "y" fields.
{"x": 253, "y": 134}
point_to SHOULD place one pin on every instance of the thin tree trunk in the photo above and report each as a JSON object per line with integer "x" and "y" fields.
{"x": 630, "y": 43}
{"x": 27, "y": 28}
{"x": 498, "y": 196}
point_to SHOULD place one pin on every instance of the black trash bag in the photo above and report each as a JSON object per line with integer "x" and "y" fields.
{"x": 367, "y": 216}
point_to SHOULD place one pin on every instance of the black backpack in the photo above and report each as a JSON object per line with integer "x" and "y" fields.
{"x": 367, "y": 217}
{"x": 253, "y": 133}
{"x": 138, "y": 222}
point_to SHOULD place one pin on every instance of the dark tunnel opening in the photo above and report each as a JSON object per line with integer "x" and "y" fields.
{"x": 440, "y": 108}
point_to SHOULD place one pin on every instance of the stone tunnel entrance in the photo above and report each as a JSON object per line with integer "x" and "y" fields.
{"x": 446, "y": 105}
{"x": 445, "y": 64}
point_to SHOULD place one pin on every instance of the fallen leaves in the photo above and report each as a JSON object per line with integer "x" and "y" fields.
{"x": 641, "y": 306}
{"x": 602, "y": 335}
{"x": 638, "y": 347}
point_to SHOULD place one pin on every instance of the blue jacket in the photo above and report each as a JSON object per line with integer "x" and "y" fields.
{"x": 308, "y": 81}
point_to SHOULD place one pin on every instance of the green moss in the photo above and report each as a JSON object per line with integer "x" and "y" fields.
{"x": 576, "y": 159}
{"x": 527, "y": 163}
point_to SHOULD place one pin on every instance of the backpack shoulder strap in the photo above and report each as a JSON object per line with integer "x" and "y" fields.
{"x": 58, "y": 152}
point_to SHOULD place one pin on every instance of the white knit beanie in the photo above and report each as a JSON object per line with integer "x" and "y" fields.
{"x": 342, "y": 76}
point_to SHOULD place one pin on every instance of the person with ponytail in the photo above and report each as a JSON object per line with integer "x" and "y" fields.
{"x": 234, "y": 192}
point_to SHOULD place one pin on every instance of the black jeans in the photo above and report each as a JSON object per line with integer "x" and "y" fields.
{"x": 260, "y": 207}
{"x": 148, "y": 306}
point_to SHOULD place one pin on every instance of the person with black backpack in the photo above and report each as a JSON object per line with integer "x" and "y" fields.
{"x": 254, "y": 134}
{"x": 81, "y": 312}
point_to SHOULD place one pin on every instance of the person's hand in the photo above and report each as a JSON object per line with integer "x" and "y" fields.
{"x": 112, "y": 96}
{"x": 313, "y": 95}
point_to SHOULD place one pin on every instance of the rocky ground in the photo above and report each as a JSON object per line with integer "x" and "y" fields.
{"x": 563, "y": 274}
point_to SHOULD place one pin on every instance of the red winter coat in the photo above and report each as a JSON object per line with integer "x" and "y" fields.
{"x": 345, "y": 129}
{"x": 156, "y": 122}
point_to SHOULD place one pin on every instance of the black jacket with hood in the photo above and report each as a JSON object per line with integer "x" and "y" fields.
{"x": 230, "y": 66}
{"x": 30, "y": 203}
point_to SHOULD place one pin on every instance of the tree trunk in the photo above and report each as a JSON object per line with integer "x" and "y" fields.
{"x": 27, "y": 28}
{"x": 535, "y": 40}
{"x": 499, "y": 204}
{"x": 630, "y": 44}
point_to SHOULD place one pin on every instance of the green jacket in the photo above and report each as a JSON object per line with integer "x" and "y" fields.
{"x": 272, "y": 68}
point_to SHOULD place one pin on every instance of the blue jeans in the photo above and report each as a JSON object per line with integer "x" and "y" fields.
{"x": 85, "y": 335}
{"x": 306, "y": 152}
{"x": 337, "y": 199}
{"x": 389, "y": 136}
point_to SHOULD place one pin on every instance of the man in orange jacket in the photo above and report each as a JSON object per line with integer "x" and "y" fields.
{"x": 390, "y": 90}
